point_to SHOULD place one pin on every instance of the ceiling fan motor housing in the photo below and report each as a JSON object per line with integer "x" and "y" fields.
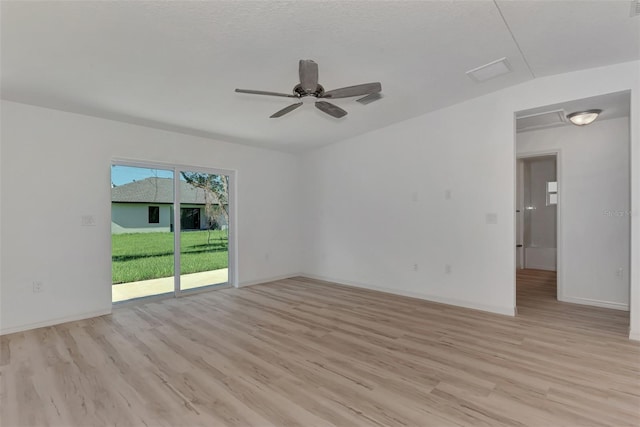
{"x": 299, "y": 91}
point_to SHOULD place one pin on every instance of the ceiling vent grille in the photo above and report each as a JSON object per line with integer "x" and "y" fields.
{"x": 635, "y": 8}
{"x": 540, "y": 120}
{"x": 490, "y": 70}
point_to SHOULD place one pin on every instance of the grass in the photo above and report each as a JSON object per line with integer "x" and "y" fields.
{"x": 143, "y": 256}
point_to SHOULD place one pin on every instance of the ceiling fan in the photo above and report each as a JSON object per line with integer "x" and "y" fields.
{"x": 309, "y": 86}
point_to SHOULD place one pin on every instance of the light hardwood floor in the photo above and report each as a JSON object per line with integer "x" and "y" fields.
{"x": 304, "y": 352}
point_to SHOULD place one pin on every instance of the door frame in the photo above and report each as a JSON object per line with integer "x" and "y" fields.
{"x": 231, "y": 227}
{"x": 557, "y": 153}
{"x": 232, "y": 254}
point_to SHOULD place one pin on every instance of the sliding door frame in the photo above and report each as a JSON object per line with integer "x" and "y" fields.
{"x": 177, "y": 227}
{"x": 231, "y": 227}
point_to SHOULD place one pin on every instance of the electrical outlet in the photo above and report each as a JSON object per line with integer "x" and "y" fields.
{"x": 88, "y": 220}
{"x": 415, "y": 267}
{"x": 620, "y": 272}
{"x": 447, "y": 269}
{"x": 447, "y": 194}
{"x": 38, "y": 286}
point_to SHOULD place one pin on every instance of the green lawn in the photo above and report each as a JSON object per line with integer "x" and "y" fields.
{"x": 142, "y": 256}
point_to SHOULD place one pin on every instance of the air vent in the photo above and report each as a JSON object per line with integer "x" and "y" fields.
{"x": 490, "y": 70}
{"x": 635, "y": 8}
{"x": 540, "y": 120}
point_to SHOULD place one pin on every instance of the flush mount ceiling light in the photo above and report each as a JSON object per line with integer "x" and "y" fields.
{"x": 582, "y": 118}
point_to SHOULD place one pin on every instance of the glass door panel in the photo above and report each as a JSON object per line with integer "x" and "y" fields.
{"x": 142, "y": 232}
{"x": 204, "y": 229}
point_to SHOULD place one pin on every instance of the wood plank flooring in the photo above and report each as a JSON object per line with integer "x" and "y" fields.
{"x": 301, "y": 352}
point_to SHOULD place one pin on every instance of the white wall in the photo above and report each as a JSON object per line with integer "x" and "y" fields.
{"x": 56, "y": 168}
{"x": 375, "y": 204}
{"x": 372, "y": 207}
{"x": 594, "y": 194}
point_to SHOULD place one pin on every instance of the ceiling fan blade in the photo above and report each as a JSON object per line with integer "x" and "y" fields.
{"x": 262, "y": 92}
{"x": 308, "y": 71}
{"x": 285, "y": 110}
{"x": 357, "y": 90}
{"x": 330, "y": 109}
{"x": 369, "y": 98}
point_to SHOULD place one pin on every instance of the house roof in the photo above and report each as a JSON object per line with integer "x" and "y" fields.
{"x": 156, "y": 190}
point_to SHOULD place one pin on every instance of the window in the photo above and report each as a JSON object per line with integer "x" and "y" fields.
{"x": 154, "y": 214}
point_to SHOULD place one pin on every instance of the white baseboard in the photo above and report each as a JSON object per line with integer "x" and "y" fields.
{"x": 267, "y": 280}
{"x": 53, "y": 322}
{"x": 595, "y": 303}
{"x": 507, "y": 311}
{"x": 633, "y": 335}
{"x": 88, "y": 315}
{"x": 545, "y": 267}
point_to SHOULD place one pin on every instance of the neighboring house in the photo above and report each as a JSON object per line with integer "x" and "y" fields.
{"x": 146, "y": 206}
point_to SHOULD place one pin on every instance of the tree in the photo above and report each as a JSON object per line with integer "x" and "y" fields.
{"x": 216, "y": 194}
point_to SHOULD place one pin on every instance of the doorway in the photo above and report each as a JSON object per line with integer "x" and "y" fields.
{"x": 537, "y": 196}
{"x": 190, "y": 218}
{"x": 153, "y": 254}
{"x": 592, "y": 203}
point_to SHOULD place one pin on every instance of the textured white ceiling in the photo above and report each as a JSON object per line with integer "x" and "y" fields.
{"x": 174, "y": 65}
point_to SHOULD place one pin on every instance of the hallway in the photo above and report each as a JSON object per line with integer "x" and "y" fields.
{"x": 536, "y": 300}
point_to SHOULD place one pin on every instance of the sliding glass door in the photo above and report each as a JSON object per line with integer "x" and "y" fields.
{"x": 170, "y": 229}
{"x": 142, "y": 217}
{"x": 204, "y": 229}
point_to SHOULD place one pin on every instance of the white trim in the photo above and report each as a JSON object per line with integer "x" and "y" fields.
{"x": 544, "y": 267}
{"x": 177, "y": 232}
{"x": 54, "y": 322}
{"x": 142, "y": 300}
{"x": 506, "y": 311}
{"x": 635, "y": 336}
{"x": 203, "y": 289}
{"x": 232, "y": 227}
{"x": 557, "y": 152}
{"x": 634, "y": 205}
{"x": 594, "y": 302}
{"x": 270, "y": 279}
{"x": 170, "y": 166}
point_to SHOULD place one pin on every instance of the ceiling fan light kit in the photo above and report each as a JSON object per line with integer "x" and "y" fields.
{"x": 309, "y": 87}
